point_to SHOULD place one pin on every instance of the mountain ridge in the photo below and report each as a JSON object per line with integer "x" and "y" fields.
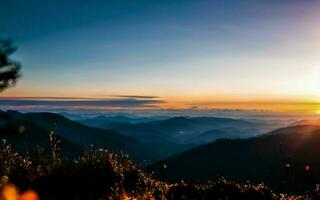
{"x": 83, "y": 135}
{"x": 263, "y": 159}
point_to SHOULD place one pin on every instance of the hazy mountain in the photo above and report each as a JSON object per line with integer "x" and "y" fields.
{"x": 177, "y": 134}
{"x": 301, "y": 129}
{"x": 314, "y": 122}
{"x": 188, "y": 130}
{"x": 209, "y": 136}
{"x": 272, "y": 158}
{"x": 71, "y": 116}
{"x": 107, "y": 122}
{"x": 81, "y": 135}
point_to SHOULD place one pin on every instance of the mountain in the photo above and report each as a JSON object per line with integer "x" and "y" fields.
{"x": 182, "y": 130}
{"x": 25, "y": 136}
{"x": 313, "y": 122}
{"x": 71, "y": 116}
{"x": 151, "y": 140}
{"x": 211, "y": 135}
{"x": 107, "y": 122}
{"x": 283, "y": 158}
{"x": 298, "y": 129}
{"x": 38, "y": 125}
{"x": 178, "y": 134}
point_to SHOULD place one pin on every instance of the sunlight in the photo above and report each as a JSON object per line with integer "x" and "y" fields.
{"x": 310, "y": 83}
{"x": 129, "y": 100}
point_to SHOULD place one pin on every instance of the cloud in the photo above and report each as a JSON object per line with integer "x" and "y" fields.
{"x": 126, "y": 102}
{"x": 137, "y": 96}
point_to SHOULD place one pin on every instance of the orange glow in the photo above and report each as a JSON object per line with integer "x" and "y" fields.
{"x": 28, "y": 195}
{"x": 296, "y": 105}
{"x": 309, "y": 105}
{"x": 9, "y": 192}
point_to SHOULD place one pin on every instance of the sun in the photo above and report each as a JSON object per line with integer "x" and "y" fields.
{"x": 310, "y": 83}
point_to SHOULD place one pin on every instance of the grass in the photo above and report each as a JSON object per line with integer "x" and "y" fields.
{"x": 101, "y": 174}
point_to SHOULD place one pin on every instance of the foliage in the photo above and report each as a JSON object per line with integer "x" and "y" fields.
{"x": 9, "y": 69}
{"x": 101, "y": 174}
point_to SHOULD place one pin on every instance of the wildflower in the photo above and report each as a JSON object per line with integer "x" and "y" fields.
{"x": 307, "y": 167}
{"x": 28, "y": 195}
{"x": 9, "y": 192}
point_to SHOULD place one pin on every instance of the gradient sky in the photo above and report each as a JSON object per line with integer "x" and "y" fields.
{"x": 252, "y": 54}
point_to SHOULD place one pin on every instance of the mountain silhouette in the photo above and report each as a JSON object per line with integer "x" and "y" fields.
{"x": 177, "y": 134}
{"x": 278, "y": 158}
{"x": 107, "y": 122}
{"x": 38, "y": 125}
{"x": 181, "y": 130}
{"x": 25, "y": 136}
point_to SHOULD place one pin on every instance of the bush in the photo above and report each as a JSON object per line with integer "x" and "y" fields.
{"x": 100, "y": 174}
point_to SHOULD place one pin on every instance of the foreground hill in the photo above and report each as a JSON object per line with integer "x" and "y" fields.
{"x": 37, "y": 126}
{"x": 25, "y": 136}
{"x": 286, "y": 158}
{"x": 104, "y": 175}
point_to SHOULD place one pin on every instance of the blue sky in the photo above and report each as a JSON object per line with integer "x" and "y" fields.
{"x": 201, "y": 51}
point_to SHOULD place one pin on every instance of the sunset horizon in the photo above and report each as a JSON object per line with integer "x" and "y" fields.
{"x": 159, "y": 99}
{"x": 136, "y": 102}
{"x": 200, "y": 55}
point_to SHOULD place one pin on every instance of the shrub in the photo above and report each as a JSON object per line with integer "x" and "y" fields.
{"x": 101, "y": 174}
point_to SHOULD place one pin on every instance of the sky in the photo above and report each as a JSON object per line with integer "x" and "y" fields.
{"x": 253, "y": 54}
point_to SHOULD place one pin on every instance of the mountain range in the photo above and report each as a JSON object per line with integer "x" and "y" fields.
{"x": 36, "y": 127}
{"x": 144, "y": 138}
{"x": 196, "y": 149}
{"x": 174, "y": 135}
{"x": 179, "y": 130}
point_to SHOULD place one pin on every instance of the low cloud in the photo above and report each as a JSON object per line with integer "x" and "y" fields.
{"x": 137, "y": 96}
{"x": 125, "y": 102}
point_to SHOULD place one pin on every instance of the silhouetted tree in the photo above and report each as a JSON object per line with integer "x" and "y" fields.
{"x": 9, "y": 69}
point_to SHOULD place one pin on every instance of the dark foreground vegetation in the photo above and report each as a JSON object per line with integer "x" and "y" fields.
{"x": 100, "y": 174}
{"x": 286, "y": 160}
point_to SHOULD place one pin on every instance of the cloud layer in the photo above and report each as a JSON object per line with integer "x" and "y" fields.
{"x": 121, "y": 102}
